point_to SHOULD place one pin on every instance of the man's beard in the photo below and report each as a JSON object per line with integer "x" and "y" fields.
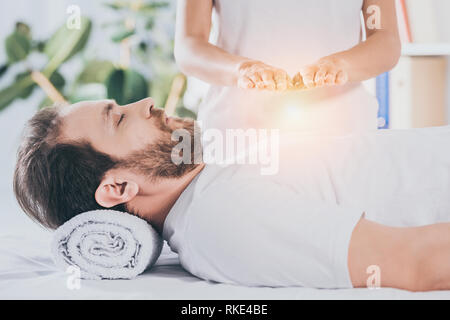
{"x": 155, "y": 161}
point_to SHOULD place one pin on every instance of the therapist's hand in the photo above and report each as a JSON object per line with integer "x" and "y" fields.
{"x": 258, "y": 75}
{"x": 326, "y": 72}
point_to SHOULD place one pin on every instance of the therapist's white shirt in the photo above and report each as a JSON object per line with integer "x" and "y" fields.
{"x": 234, "y": 225}
{"x": 289, "y": 34}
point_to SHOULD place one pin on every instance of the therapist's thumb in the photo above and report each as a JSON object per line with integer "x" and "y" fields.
{"x": 245, "y": 83}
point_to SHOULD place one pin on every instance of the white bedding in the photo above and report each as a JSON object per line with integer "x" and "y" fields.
{"x": 27, "y": 272}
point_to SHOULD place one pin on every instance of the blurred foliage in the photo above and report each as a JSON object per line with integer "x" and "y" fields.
{"x": 63, "y": 45}
{"x": 126, "y": 86}
{"x": 144, "y": 66}
{"x": 18, "y": 44}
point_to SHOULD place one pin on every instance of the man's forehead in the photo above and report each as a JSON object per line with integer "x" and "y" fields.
{"x": 80, "y": 120}
{"x": 83, "y": 105}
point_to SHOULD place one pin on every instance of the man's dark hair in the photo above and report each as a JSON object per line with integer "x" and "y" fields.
{"x": 54, "y": 181}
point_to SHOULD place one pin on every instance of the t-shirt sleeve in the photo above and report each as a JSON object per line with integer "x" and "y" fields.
{"x": 258, "y": 233}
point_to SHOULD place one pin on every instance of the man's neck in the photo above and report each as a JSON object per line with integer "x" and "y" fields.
{"x": 162, "y": 202}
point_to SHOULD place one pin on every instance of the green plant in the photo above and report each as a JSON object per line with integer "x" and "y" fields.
{"x": 63, "y": 45}
{"x": 140, "y": 40}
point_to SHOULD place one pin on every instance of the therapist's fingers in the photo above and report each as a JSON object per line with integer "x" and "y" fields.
{"x": 245, "y": 83}
{"x": 281, "y": 79}
{"x": 289, "y": 82}
{"x": 330, "y": 78}
{"x": 257, "y": 80}
{"x": 268, "y": 79}
{"x": 319, "y": 78}
{"x": 256, "y": 74}
{"x": 308, "y": 74}
{"x": 297, "y": 81}
{"x": 248, "y": 75}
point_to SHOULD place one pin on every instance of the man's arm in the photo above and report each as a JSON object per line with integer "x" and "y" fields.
{"x": 415, "y": 258}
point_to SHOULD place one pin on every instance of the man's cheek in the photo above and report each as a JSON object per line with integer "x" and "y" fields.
{"x": 143, "y": 137}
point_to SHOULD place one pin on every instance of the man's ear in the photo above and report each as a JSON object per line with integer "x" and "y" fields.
{"x": 113, "y": 191}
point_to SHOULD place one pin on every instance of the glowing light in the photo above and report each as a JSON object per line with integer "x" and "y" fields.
{"x": 291, "y": 115}
{"x": 292, "y": 111}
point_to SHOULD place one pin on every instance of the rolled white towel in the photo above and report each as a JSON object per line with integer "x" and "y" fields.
{"x": 106, "y": 244}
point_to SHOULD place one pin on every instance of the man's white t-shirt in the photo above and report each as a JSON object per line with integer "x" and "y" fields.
{"x": 293, "y": 228}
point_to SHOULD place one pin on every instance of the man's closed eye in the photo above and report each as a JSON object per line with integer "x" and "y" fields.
{"x": 122, "y": 116}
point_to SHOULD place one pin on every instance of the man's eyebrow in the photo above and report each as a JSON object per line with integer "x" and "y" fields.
{"x": 106, "y": 112}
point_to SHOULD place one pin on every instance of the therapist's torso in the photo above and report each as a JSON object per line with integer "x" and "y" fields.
{"x": 289, "y": 34}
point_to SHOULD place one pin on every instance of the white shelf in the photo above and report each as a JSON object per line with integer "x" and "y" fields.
{"x": 426, "y": 49}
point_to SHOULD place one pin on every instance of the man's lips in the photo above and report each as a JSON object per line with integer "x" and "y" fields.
{"x": 167, "y": 118}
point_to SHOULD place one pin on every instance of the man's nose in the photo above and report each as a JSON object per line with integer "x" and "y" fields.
{"x": 143, "y": 107}
{"x": 147, "y": 105}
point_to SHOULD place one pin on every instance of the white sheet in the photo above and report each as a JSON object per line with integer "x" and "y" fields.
{"x": 27, "y": 272}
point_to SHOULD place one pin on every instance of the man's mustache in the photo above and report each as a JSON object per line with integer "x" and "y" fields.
{"x": 158, "y": 113}
{"x": 160, "y": 119}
